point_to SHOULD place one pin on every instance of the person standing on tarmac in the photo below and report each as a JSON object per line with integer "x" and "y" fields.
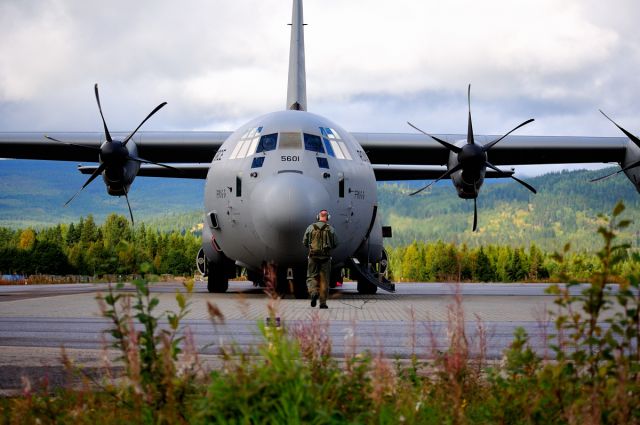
{"x": 320, "y": 238}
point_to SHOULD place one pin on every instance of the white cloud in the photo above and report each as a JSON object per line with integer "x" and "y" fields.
{"x": 371, "y": 64}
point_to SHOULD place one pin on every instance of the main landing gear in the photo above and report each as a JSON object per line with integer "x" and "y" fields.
{"x": 217, "y": 281}
{"x": 370, "y": 277}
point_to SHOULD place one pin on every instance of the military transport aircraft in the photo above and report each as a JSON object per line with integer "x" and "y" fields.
{"x": 266, "y": 181}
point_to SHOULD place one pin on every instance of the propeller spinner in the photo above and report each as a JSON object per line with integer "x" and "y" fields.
{"x": 472, "y": 158}
{"x": 113, "y": 154}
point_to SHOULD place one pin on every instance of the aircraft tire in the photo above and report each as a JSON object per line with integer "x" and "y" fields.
{"x": 282, "y": 283}
{"x": 336, "y": 277}
{"x": 366, "y": 288}
{"x": 300, "y": 283}
{"x": 218, "y": 280}
{"x": 300, "y": 290}
{"x": 256, "y": 278}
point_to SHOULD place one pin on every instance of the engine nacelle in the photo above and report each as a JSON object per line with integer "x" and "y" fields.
{"x": 469, "y": 179}
{"x": 121, "y": 172}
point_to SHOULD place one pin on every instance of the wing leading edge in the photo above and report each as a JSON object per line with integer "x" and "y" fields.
{"x": 418, "y": 149}
{"x": 167, "y": 146}
{"x": 395, "y": 156}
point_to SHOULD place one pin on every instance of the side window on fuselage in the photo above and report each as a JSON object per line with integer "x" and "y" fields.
{"x": 335, "y": 145}
{"x": 247, "y": 144}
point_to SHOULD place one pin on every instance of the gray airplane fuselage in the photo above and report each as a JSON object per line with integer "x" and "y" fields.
{"x": 272, "y": 176}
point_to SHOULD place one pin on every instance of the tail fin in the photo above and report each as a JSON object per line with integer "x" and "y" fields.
{"x": 297, "y": 86}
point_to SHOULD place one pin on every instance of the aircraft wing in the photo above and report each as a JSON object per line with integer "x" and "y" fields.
{"x": 394, "y": 172}
{"x": 418, "y": 149}
{"x": 165, "y": 146}
{"x": 395, "y": 156}
{"x": 179, "y": 171}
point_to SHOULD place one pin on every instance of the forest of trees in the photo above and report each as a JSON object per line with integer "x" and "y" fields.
{"x": 116, "y": 247}
{"x": 86, "y": 248}
{"x": 447, "y": 262}
{"x": 565, "y": 210}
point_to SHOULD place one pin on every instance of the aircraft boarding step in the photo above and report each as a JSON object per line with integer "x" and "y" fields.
{"x": 363, "y": 272}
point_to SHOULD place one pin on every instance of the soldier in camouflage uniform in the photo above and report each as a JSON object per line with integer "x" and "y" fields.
{"x": 320, "y": 238}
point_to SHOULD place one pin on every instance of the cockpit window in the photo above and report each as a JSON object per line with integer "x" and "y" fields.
{"x": 267, "y": 142}
{"x": 247, "y": 144}
{"x": 327, "y": 145}
{"x": 257, "y": 162}
{"x": 322, "y": 162}
{"x": 290, "y": 141}
{"x": 336, "y": 147}
{"x": 313, "y": 143}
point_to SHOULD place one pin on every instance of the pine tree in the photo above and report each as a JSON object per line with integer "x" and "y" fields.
{"x": 484, "y": 271}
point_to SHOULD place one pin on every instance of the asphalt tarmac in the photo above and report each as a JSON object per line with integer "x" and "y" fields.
{"x": 36, "y": 321}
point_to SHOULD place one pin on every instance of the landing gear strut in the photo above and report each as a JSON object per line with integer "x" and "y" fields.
{"x": 217, "y": 281}
{"x": 292, "y": 280}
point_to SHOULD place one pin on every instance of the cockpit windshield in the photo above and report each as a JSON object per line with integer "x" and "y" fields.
{"x": 329, "y": 142}
{"x": 267, "y": 142}
{"x": 290, "y": 141}
{"x": 313, "y": 143}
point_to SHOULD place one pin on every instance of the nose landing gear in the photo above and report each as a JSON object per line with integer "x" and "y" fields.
{"x": 282, "y": 280}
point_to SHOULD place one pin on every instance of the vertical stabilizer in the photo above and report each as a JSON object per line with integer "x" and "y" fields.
{"x": 297, "y": 87}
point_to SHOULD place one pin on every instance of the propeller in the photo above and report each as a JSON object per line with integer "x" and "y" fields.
{"x": 112, "y": 153}
{"x": 633, "y": 138}
{"x": 472, "y": 157}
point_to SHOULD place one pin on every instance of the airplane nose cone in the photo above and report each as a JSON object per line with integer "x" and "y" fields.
{"x": 283, "y": 206}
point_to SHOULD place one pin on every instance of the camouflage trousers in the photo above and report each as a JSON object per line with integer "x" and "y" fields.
{"x": 318, "y": 275}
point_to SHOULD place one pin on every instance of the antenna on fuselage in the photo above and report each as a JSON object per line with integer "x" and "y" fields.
{"x": 297, "y": 86}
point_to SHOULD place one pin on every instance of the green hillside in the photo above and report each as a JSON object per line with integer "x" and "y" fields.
{"x": 565, "y": 210}
{"x": 32, "y": 193}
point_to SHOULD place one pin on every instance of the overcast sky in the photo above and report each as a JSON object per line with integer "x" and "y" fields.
{"x": 371, "y": 64}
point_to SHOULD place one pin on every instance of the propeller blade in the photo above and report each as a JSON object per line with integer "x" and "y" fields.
{"x": 447, "y": 145}
{"x": 629, "y": 135}
{"x": 628, "y": 167}
{"x": 126, "y": 196}
{"x": 95, "y": 174}
{"x": 157, "y": 108}
{"x": 475, "y": 215}
{"x": 145, "y": 161}
{"x": 445, "y": 175}
{"x": 93, "y": 148}
{"x": 106, "y": 130}
{"x": 470, "y": 140}
{"x": 491, "y": 144}
{"x": 525, "y": 184}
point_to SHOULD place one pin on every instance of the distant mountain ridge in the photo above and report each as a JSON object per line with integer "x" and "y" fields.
{"x": 32, "y": 193}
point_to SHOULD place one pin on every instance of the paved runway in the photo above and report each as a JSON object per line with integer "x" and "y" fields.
{"x": 55, "y": 315}
{"x": 414, "y": 320}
